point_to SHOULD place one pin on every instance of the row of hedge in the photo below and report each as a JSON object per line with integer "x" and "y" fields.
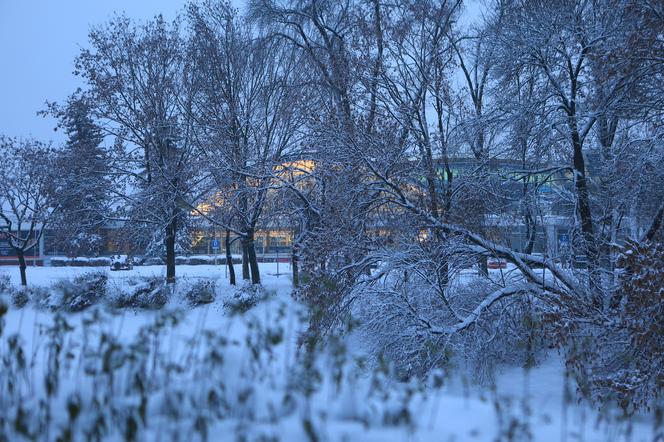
{"x": 94, "y": 287}
{"x": 101, "y": 261}
{"x": 105, "y": 261}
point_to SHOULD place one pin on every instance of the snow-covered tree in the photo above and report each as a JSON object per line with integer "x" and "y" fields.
{"x": 29, "y": 197}
{"x": 84, "y": 176}
{"x": 248, "y": 118}
{"x": 139, "y": 84}
{"x": 546, "y": 86}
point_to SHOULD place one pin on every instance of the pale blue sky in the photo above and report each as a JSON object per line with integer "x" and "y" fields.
{"x": 39, "y": 40}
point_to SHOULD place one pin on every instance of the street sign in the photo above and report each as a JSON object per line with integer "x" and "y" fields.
{"x": 563, "y": 239}
{"x": 215, "y": 244}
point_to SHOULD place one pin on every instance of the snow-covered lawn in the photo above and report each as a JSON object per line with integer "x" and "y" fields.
{"x": 45, "y": 276}
{"x": 194, "y": 373}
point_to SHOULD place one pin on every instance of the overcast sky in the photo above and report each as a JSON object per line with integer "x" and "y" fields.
{"x": 39, "y": 40}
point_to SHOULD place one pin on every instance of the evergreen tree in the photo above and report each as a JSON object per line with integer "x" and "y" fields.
{"x": 83, "y": 179}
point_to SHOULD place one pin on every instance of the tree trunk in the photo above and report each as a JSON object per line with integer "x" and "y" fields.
{"x": 169, "y": 242}
{"x": 531, "y": 231}
{"x": 656, "y": 224}
{"x": 22, "y": 266}
{"x": 245, "y": 259}
{"x": 229, "y": 258}
{"x": 294, "y": 265}
{"x": 378, "y": 31}
{"x": 253, "y": 261}
{"x": 583, "y": 210}
{"x": 482, "y": 266}
{"x": 585, "y": 216}
{"x": 431, "y": 180}
{"x": 444, "y": 274}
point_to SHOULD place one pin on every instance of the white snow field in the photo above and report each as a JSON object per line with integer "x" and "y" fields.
{"x": 204, "y": 373}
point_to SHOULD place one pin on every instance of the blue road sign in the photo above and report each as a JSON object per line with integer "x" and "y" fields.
{"x": 215, "y": 243}
{"x": 563, "y": 239}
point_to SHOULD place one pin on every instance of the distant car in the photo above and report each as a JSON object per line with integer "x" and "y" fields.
{"x": 121, "y": 262}
{"x": 496, "y": 263}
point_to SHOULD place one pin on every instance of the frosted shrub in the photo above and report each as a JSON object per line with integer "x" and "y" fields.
{"x": 41, "y": 297}
{"x": 398, "y": 311}
{"x": 19, "y": 298}
{"x": 623, "y": 362}
{"x": 147, "y": 293}
{"x": 5, "y": 285}
{"x": 244, "y": 298}
{"x": 152, "y": 261}
{"x": 511, "y": 333}
{"x": 81, "y": 292}
{"x": 201, "y": 292}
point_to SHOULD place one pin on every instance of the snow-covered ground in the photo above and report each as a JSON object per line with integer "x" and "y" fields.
{"x": 45, "y": 276}
{"x": 205, "y": 372}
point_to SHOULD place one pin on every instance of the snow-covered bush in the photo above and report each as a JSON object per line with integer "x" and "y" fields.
{"x": 195, "y": 260}
{"x": 201, "y": 292}
{"x": 83, "y": 291}
{"x": 80, "y": 261}
{"x": 39, "y": 296}
{"x": 403, "y": 312}
{"x": 91, "y": 262}
{"x": 146, "y": 293}
{"x": 621, "y": 360}
{"x": 244, "y": 298}
{"x": 19, "y": 298}
{"x": 72, "y": 295}
{"x": 11, "y": 294}
{"x": 5, "y": 285}
{"x": 152, "y": 261}
{"x": 508, "y": 334}
{"x": 58, "y": 261}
